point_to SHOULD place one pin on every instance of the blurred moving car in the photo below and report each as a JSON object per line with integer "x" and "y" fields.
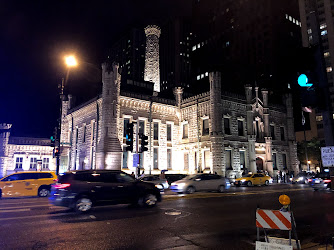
{"x": 200, "y": 182}
{"x": 302, "y": 177}
{"x": 174, "y": 177}
{"x": 30, "y": 183}
{"x": 253, "y": 179}
{"x": 81, "y": 190}
{"x": 156, "y": 180}
{"x": 321, "y": 181}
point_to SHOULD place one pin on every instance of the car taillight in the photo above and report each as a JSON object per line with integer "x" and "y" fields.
{"x": 55, "y": 180}
{"x": 62, "y": 186}
{"x": 309, "y": 180}
{"x": 327, "y": 181}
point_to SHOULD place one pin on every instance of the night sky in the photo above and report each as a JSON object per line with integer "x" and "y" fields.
{"x": 35, "y": 36}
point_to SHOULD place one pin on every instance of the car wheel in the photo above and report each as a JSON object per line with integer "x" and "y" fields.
{"x": 150, "y": 200}
{"x": 221, "y": 188}
{"x": 43, "y": 192}
{"x": 266, "y": 183}
{"x": 249, "y": 184}
{"x": 83, "y": 204}
{"x": 190, "y": 190}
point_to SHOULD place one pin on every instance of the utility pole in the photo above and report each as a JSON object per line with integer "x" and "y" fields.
{"x": 150, "y": 136}
{"x": 306, "y": 156}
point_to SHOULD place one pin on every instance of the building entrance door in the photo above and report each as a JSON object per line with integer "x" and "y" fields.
{"x": 259, "y": 164}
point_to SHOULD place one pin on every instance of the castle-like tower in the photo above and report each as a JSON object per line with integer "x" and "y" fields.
{"x": 152, "y": 67}
{"x": 109, "y": 152}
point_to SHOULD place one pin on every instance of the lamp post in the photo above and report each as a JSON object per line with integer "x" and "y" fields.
{"x": 70, "y": 61}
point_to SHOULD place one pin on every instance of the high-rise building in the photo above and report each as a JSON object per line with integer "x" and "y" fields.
{"x": 250, "y": 42}
{"x": 318, "y": 33}
{"x": 129, "y": 52}
{"x": 175, "y": 40}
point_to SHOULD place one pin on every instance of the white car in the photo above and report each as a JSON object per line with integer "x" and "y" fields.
{"x": 200, "y": 182}
{"x": 155, "y": 179}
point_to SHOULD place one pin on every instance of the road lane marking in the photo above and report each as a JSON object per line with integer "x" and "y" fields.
{"x": 17, "y": 210}
{"x": 33, "y": 216}
{"x": 213, "y": 195}
{"x": 5, "y": 208}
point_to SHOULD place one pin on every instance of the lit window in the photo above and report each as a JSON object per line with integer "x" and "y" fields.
{"x": 205, "y": 124}
{"x": 198, "y": 46}
{"x": 300, "y": 24}
{"x": 329, "y": 69}
{"x": 318, "y": 118}
{"x": 323, "y": 26}
{"x": 310, "y": 38}
{"x": 206, "y": 74}
{"x": 180, "y": 42}
{"x": 19, "y": 161}
{"x": 45, "y": 163}
{"x": 202, "y": 76}
{"x": 290, "y": 18}
{"x": 185, "y": 131}
{"x": 326, "y": 54}
{"x": 227, "y": 10}
{"x": 324, "y": 32}
{"x": 297, "y": 22}
{"x": 33, "y": 163}
{"x": 198, "y": 77}
{"x": 293, "y": 20}
{"x": 194, "y": 48}
{"x": 227, "y": 43}
{"x": 180, "y": 54}
{"x": 286, "y": 16}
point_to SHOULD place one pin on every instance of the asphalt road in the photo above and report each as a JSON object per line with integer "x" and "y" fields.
{"x": 197, "y": 221}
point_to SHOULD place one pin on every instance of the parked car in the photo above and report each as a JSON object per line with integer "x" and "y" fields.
{"x": 200, "y": 182}
{"x": 81, "y": 190}
{"x": 321, "y": 181}
{"x": 302, "y": 177}
{"x": 30, "y": 183}
{"x": 253, "y": 179}
{"x": 156, "y": 180}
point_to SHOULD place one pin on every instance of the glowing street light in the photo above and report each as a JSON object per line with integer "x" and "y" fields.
{"x": 71, "y": 61}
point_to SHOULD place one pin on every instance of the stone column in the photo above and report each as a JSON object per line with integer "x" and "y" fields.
{"x": 248, "y": 92}
{"x": 216, "y": 135}
{"x": 109, "y": 152}
{"x": 252, "y": 154}
{"x": 152, "y": 68}
{"x": 178, "y": 91}
{"x": 265, "y": 113}
{"x": 269, "y": 160}
{"x": 4, "y": 138}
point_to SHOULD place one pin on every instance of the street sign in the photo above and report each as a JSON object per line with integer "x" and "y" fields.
{"x": 135, "y": 160}
{"x": 271, "y": 246}
{"x": 327, "y": 156}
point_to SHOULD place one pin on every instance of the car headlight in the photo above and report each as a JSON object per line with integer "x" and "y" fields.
{"x": 180, "y": 185}
{"x": 159, "y": 186}
{"x": 243, "y": 180}
{"x": 291, "y": 179}
{"x": 300, "y": 178}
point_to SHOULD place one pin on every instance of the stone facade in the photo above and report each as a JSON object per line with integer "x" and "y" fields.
{"x": 24, "y": 153}
{"x": 213, "y": 131}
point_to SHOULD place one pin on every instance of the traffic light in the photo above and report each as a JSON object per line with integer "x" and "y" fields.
{"x": 53, "y": 141}
{"x": 129, "y": 137}
{"x": 55, "y": 152}
{"x": 143, "y": 142}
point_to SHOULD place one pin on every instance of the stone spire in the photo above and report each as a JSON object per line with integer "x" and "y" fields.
{"x": 152, "y": 68}
{"x": 4, "y": 138}
{"x": 109, "y": 152}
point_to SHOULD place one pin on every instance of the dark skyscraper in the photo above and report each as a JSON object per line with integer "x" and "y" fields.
{"x": 249, "y": 41}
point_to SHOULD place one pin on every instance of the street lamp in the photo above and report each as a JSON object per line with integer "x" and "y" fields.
{"x": 70, "y": 62}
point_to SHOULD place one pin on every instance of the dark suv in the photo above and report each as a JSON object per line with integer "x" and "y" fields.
{"x": 81, "y": 190}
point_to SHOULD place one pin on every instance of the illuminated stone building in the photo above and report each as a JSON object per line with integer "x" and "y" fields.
{"x": 213, "y": 131}
{"x": 24, "y": 153}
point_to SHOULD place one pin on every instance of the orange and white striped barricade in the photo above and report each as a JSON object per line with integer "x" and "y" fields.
{"x": 274, "y": 219}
